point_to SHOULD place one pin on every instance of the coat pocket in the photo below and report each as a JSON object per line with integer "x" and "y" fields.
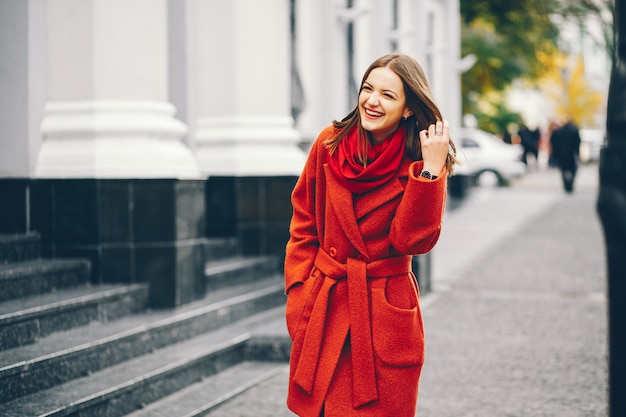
{"x": 296, "y": 301}
{"x": 398, "y": 334}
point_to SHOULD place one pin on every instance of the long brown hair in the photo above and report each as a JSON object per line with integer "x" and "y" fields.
{"x": 419, "y": 100}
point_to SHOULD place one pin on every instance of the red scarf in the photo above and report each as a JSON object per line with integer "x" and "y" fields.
{"x": 383, "y": 161}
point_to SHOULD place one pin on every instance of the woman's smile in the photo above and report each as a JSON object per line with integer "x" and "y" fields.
{"x": 382, "y": 103}
{"x": 372, "y": 113}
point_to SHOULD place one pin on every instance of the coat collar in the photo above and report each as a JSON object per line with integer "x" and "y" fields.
{"x": 343, "y": 203}
{"x": 384, "y": 194}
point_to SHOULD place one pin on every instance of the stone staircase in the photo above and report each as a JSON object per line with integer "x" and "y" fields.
{"x": 68, "y": 348}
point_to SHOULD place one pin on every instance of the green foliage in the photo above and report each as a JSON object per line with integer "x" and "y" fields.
{"x": 523, "y": 25}
{"x": 508, "y": 38}
{"x": 571, "y": 93}
{"x": 492, "y": 114}
{"x": 495, "y": 66}
{"x": 603, "y": 12}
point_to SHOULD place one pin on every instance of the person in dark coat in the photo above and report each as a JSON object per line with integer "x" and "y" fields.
{"x": 565, "y": 143}
{"x": 530, "y": 143}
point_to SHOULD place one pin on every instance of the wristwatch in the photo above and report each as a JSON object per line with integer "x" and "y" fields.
{"x": 427, "y": 174}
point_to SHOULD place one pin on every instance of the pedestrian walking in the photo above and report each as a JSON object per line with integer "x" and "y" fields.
{"x": 530, "y": 143}
{"x": 371, "y": 195}
{"x": 565, "y": 143}
{"x": 552, "y": 126}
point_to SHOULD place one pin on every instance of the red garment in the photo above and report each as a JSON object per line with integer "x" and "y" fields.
{"x": 383, "y": 160}
{"x": 353, "y": 304}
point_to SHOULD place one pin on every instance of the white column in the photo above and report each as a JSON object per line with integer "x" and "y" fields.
{"x": 410, "y": 28}
{"x": 244, "y": 125}
{"x": 22, "y": 84}
{"x": 322, "y": 56}
{"x": 413, "y": 19}
{"x": 179, "y": 63}
{"x": 453, "y": 30}
{"x": 373, "y": 31}
{"x": 108, "y": 114}
{"x": 433, "y": 36}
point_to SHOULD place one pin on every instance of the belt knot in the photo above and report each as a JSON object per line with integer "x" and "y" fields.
{"x": 357, "y": 271}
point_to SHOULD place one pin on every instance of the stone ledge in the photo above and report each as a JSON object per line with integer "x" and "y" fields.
{"x": 19, "y": 247}
{"x": 27, "y": 325}
{"x": 41, "y": 276}
{"x": 50, "y": 363}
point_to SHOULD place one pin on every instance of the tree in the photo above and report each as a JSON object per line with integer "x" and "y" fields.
{"x": 571, "y": 93}
{"x": 602, "y": 12}
{"x": 509, "y": 39}
{"x": 524, "y": 27}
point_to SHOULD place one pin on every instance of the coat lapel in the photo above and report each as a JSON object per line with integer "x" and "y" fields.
{"x": 384, "y": 194}
{"x": 343, "y": 206}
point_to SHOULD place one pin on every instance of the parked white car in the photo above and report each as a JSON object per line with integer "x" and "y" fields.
{"x": 486, "y": 157}
{"x": 591, "y": 143}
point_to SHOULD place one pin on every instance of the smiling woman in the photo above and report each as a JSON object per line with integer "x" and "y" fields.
{"x": 370, "y": 196}
{"x": 382, "y": 103}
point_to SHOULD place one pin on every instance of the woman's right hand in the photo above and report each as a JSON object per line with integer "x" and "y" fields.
{"x": 435, "y": 143}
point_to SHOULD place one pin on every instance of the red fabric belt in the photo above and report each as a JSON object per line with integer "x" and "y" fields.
{"x": 357, "y": 272}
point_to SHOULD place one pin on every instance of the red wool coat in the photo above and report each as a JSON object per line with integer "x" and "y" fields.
{"x": 353, "y": 304}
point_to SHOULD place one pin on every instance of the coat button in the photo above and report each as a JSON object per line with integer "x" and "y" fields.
{"x": 332, "y": 252}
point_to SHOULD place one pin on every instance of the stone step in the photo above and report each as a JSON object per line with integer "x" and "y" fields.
{"x": 19, "y": 247}
{"x": 64, "y": 356}
{"x": 129, "y": 386}
{"x": 238, "y": 270}
{"x": 28, "y": 319}
{"x": 41, "y": 276}
{"x": 220, "y": 248}
{"x": 202, "y": 397}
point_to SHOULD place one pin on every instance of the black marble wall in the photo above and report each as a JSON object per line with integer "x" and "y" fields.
{"x": 257, "y": 210}
{"x": 421, "y": 265}
{"x": 13, "y": 203}
{"x": 459, "y": 186}
{"x": 132, "y": 230}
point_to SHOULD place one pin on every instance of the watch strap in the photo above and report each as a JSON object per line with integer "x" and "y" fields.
{"x": 428, "y": 175}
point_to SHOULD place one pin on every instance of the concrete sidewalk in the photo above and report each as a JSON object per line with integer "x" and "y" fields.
{"x": 516, "y": 322}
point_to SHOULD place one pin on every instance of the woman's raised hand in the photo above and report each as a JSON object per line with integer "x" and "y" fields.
{"x": 435, "y": 144}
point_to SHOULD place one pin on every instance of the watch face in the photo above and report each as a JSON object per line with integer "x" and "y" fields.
{"x": 426, "y": 174}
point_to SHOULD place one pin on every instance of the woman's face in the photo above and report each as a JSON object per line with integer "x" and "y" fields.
{"x": 382, "y": 103}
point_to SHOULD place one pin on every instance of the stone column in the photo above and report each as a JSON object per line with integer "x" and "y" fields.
{"x": 245, "y": 140}
{"x": 115, "y": 183}
{"x": 108, "y": 114}
{"x": 244, "y": 125}
{"x": 411, "y": 34}
{"x": 321, "y": 53}
{"x": 22, "y": 84}
{"x": 452, "y": 29}
{"x": 373, "y": 23}
{"x": 22, "y": 98}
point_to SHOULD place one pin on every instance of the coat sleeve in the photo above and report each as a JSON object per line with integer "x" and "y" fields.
{"x": 416, "y": 226}
{"x": 303, "y": 237}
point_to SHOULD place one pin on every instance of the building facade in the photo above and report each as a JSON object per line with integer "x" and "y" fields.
{"x": 133, "y": 130}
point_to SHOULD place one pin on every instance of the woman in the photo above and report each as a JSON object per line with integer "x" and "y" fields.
{"x": 372, "y": 194}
